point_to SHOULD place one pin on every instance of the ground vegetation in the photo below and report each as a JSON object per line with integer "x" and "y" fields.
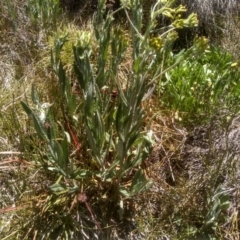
{"x": 112, "y": 127}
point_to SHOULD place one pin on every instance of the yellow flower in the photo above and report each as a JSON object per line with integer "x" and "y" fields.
{"x": 191, "y": 21}
{"x": 156, "y": 43}
{"x": 172, "y": 36}
{"x": 180, "y": 9}
{"x": 167, "y": 12}
{"x": 234, "y": 64}
{"x": 179, "y": 23}
{"x": 201, "y": 43}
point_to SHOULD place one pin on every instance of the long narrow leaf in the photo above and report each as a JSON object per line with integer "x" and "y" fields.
{"x": 34, "y": 96}
{"x": 41, "y": 131}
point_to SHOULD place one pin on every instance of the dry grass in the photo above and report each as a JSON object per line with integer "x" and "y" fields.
{"x": 21, "y": 48}
{"x": 219, "y": 20}
{"x": 231, "y": 34}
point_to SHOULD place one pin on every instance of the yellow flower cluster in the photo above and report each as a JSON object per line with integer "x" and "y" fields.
{"x": 174, "y": 12}
{"x": 179, "y": 23}
{"x": 126, "y": 3}
{"x": 156, "y": 43}
{"x": 191, "y": 21}
{"x": 201, "y": 43}
{"x": 172, "y": 36}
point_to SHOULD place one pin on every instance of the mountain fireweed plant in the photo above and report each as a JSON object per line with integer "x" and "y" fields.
{"x": 96, "y": 147}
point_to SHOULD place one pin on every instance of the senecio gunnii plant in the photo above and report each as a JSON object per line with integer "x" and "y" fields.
{"x": 97, "y": 145}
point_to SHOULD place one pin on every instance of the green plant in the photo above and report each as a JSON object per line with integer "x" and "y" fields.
{"x": 215, "y": 210}
{"x": 44, "y": 13}
{"x": 197, "y": 87}
{"x": 218, "y": 203}
{"x": 97, "y": 144}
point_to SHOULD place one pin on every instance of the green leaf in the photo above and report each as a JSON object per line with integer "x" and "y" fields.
{"x": 78, "y": 66}
{"x": 131, "y": 162}
{"x": 140, "y": 183}
{"x": 60, "y": 154}
{"x": 136, "y": 65}
{"x": 53, "y": 63}
{"x": 124, "y": 192}
{"x": 81, "y": 174}
{"x": 62, "y": 78}
{"x": 120, "y": 149}
{"x": 110, "y": 172}
{"x": 65, "y": 153}
{"x": 225, "y": 205}
{"x": 72, "y": 104}
{"x": 34, "y": 96}
{"x": 94, "y": 146}
{"x": 57, "y": 187}
{"x": 41, "y": 131}
{"x": 119, "y": 122}
{"x": 224, "y": 202}
{"x": 132, "y": 139}
{"x": 27, "y": 109}
{"x": 90, "y": 98}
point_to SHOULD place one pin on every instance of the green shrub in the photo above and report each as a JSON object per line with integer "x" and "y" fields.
{"x": 199, "y": 86}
